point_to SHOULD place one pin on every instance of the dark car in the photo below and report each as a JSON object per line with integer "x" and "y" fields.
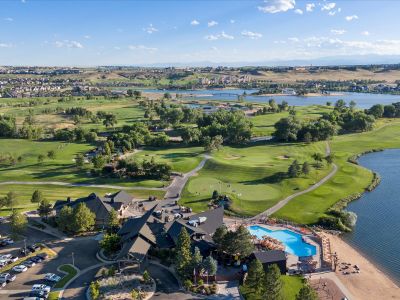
{"x": 33, "y": 248}
{"x": 43, "y": 255}
{"x": 29, "y": 263}
{"x": 39, "y": 294}
{"x": 36, "y": 259}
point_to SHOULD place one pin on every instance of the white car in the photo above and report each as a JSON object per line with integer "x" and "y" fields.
{"x": 52, "y": 277}
{"x": 7, "y": 277}
{"x": 41, "y": 288}
{"x": 5, "y": 257}
{"x": 20, "y": 269}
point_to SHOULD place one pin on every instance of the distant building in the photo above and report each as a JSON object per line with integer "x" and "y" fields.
{"x": 271, "y": 257}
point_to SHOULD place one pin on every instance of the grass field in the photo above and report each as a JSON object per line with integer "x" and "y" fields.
{"x": 251, "y": 176}
{"x": 71, "y": 272}
{"x": 348, "y": 180}
{"x": 264, "y": 124}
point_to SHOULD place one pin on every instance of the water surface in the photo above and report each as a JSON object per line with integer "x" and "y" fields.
{"x": 377, "y": 232}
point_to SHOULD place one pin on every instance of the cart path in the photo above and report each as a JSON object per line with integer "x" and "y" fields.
{"x": 285, "y": 201}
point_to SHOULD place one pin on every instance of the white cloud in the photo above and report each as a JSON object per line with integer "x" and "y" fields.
{"x": 310, "y": 7}
{"x": 117, "y": 48}
{"x": 334, "y": 12}
{"x": 88, "y": 37}
{"x": 328, "y": 6}
{"x": 8, "y": 19}
{"x": 212, "y": 23}
{"x": 150, "y": 29}
{"x": 366, "y": 33}
{"x": 232, "y": 21}
{"x": 194, "y": 23}
{"x": 5, "y": 45}
{"x": 277, "y": 6}
{"x": 351, "y": 18}
{"x": 294, "y": 39}
{"x": 220, "y": 36}
{"x": 338, "y": 31}
{"x": 68, "y": 44}
{"x": 298, "y": 11}
{"x": 252, "y": 35}
{"x": 142, "y": 47}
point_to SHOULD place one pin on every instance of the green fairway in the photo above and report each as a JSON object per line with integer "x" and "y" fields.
{"x": 252, "y": 176}
{"x": 53, "y": 193}
{"x": 264, "y": 124}
{"x": 349, "y": 179}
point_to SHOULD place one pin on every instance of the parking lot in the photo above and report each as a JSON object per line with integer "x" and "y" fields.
{"x": 84, "y": 250}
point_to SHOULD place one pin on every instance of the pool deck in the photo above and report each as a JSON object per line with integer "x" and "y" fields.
{"x": 292, "y": 260}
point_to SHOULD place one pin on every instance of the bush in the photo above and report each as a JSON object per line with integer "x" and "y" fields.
{"x": 188, "y": 284}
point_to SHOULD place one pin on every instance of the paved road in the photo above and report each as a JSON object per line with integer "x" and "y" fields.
{"x": 285, "y": 201}
{"x": 179, "y": 182}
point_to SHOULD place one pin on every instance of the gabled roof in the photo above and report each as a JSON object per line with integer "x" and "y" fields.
{"x": 138, "y": 226}
{"x": 270, "y": 256}
{"x": 137, "y": 248}
{"x": 176, "y": 226}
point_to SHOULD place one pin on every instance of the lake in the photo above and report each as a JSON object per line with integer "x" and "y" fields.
{"x": 363, "y": 100}
{"x": 378, "y": 225}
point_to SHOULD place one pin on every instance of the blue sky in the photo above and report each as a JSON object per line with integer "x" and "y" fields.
{"x": 89, "y": 33}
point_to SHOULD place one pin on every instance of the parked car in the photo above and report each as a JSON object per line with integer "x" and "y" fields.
{"x": 20, "y": 268}
{"x": 36, "y": 259}
{"x": 33, "y": 298}
{"x": 6, "y": 241}
{"x": 5, "y": 257}
{"x": 41, "y": 287}
{"x": 52, "y": 277}
{"x": 43, "y": 255}
{"x": 7, "y": 277}
{"x": 33, "y": 248}
{"x": 29, "y": 263}
{"x": 2, "y": 284}
{"x": 13, "y": 259}
{"x": 39, "y": 295}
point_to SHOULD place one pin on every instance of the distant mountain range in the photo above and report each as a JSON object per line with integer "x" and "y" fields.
{"x": 323, "y": 61}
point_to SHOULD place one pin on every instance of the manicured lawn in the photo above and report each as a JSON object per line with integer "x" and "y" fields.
{"x": 53, "y": 296}
{"x": 182, "y": 159}
{"x": 264, "y": 124}
{"x": 71, "y": 272}
{"x": 348, "y": 180}
{"x": 291, "y": 285}
{"x": 53, "y": 193}
{"x": 251, "y": 176}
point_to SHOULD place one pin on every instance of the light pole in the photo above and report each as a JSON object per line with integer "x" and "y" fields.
{"x": 73, "y": 260}
{"x": 25, "y": 246}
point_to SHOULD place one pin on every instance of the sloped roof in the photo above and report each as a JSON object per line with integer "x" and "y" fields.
{"x": 215, "y": 219}
{"x": 176, "y": 226}
{"x": 270, "y": 256}
{"x": 137, "y": 248}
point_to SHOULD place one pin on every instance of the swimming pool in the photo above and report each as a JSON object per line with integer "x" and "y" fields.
{"x": 292, "y": 241}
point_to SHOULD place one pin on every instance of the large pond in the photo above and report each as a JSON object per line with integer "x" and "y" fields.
{"x": 363, "y": 100}
{"x": 377, "y": 233}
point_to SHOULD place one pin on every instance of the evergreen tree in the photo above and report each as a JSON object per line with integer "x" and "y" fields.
{"x": 37, "y": 196}
{"x": 238, "y": 242}
{"x": 210, "y": 265}
{"x": 219, "y": 235}
{"x": 79, "y": 160}
{"x": 113, "y": 221}
{"x": 294, "y": 169}
{"x": 273, "y": 283}
{"x": 255, "y": 278}
{"x": 307, "y": 293}
{"x": 183, "y": 256}
{"x": 10, "y": 199}
{"x": 197, "y": 260}
{"x": 305, "y": 169}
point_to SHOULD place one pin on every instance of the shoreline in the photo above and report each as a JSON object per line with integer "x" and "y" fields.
{"x": 306, "y": 95}
{"x": 371, "y": 283}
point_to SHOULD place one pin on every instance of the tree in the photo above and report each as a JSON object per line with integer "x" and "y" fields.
{"x": 329, "y": 158}
{"x": 238, "y": 242}
{"x": 40, "y": 158}
{"x": 286, "y": 129}
{"x": 44, "y": 208}
{"x": 215, "y": 195}
{"x": 307, "y": 137}
{"x": 110, "y": 243}
{"x": 197, "y": 260}
{"x": 318, "y": 157}
{"x": 94, "y": 289}
{"x": 137, "y": 94}
{"x": 79, "y": 160}
{"x": 352, "y": 104}
{"x": 214, "y": 143}
{"x": 10, "y": 198}
{"x": 64, "y": 218}
{"x": 99, "y": 161}
{"x": 37, "y": 196}
{"x": 113, "y": 221}
{"x": 376, "y": 110}
{"x": 18, "y": 223}
{"x": 210, "y": 265}
{"x": 389, "y": 111}
{"x": 146, "y": 276}
{"x": 82, "y": 218}
{"x": 219, "y": 235}
{"x": 305, "y": 169}
{"x": 183, "y": 256}
{"x": 255, "y": 277}
{"x": 110, "y": 120}
{"x": 307, "y": 293}
{"x": 273, "y": 283}
{"x": 51, "y": 154}
{"x": 294, "y": 169}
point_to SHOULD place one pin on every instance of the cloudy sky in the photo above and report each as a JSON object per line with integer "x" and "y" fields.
{"x": 89, "y": 33}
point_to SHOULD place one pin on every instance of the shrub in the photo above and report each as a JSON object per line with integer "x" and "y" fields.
{"x": 188, "y": 284}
